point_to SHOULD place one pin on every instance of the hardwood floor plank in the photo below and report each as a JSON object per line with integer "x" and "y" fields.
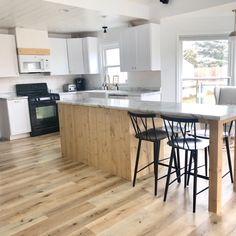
{"x": 42, "y": 193}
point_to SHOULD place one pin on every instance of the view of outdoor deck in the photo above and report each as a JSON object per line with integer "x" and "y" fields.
{"x": 204, "y": 66}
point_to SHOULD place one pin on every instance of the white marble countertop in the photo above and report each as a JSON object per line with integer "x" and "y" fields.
{"x": 11, "y": 96}
{"x": 116, "y": 92}
{"x": 211, "y": 112}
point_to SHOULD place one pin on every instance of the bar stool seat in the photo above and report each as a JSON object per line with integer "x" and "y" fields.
{"x": 151, "y": 135}
{"x": 205, "y": 133}
{"x": 193, "y": 143}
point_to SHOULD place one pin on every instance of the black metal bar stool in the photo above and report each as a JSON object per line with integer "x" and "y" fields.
{"x": 145, "y": 130}
{"x": 187, "y": 143}
{"x": 205, "y": 134}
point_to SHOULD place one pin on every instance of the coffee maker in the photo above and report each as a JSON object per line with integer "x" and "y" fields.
{"x": 80, "y": 84}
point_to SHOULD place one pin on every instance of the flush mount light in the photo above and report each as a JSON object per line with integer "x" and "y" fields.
{"x": 164, "y": 1}
{"x": 232, "y": 35}
{"x": 64, "y": 10}
{"x": 104, "y": 29}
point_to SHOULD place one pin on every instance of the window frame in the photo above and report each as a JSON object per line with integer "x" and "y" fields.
{"x": 105, "y": 47}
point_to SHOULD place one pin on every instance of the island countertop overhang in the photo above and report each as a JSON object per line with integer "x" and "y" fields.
{"x": 200, "y": 111}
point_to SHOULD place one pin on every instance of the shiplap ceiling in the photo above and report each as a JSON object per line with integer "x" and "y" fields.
{"x": 70, "y": 16}
{"x": 55, "y": 17}
{"x": 145, "y": 1}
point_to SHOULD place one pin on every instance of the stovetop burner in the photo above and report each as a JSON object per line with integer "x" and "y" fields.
{"x": 36, "y": 92}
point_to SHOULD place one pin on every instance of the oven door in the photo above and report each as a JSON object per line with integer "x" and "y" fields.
{"x": 44, "y": 117}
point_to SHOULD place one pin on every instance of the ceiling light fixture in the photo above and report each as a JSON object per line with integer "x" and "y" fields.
{"x": 105, "y": 29}
{"x": 232, "y": 35}
{"x": 64, "y": 10}
{"x": 104, "y": 24}
{"x": 164, "y": 1}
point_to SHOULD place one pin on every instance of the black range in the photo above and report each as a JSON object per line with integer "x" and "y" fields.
{"x": 42, "y": 107}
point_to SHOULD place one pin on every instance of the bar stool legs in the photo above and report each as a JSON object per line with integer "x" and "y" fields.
{"x": 195, "y": 157}
{"x": 206, "y": 150}
{"x": 185, "y": 169}
{"x": 206, "y": 160}
{"x": 156, "y": 152}
{"x": 172, "y": 157}
{"x": 229, "y": 158}
{"x": 137, "y": 161}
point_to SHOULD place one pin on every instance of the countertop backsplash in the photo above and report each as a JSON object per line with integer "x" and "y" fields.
{"x": 137, "y": 81}
{"x": 150, "y": 80}
{"x": 55, "y": 83}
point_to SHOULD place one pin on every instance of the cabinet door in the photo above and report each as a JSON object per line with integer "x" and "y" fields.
{"x": 128, "y": 50}
{"x": 90, "y": 53}
{"x": 18, "y": 114}
{"x": 8, "y": 57}
{"x": 58, "y": 56}
{"x": 143, "y": 57}
{"x": 75, "y": 56}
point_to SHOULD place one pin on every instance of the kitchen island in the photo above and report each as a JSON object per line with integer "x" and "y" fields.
{"x": 98, "y": 132}
{"x": 101, "y": 135}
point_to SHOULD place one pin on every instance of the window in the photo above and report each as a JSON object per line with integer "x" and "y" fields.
{"x": 112, "y": 66}
{"x": 205, "y": 64}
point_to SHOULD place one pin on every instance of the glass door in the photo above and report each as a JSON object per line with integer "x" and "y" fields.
{"x": 205, "y": 64}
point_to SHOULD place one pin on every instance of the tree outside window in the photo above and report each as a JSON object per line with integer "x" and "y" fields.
{"x": 205, "y": 65}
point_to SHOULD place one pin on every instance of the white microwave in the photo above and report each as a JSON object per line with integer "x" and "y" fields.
{"x": 34, "y": 63}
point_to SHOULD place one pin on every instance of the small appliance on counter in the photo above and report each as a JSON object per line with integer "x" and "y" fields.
{"x": 69, "y": 87}
{"x": 80, "y": 84}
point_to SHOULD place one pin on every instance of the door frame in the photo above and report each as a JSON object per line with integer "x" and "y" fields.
{"x": 198, "y": 37}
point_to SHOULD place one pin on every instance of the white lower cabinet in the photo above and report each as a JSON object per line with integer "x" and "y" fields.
{"x": 15, "y": 120}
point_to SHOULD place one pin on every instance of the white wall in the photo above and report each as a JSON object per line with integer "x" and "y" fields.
{"x": 149, "y": 80}
{"x": 171, "y": 29}
{"x": 55, "y": 83}
{"x": 175, "y": 7}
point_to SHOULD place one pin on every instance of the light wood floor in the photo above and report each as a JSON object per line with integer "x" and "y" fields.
{"x": 44, "y": 194}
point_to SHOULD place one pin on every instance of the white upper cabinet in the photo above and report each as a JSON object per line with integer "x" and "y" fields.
{"x": 128, "y": 50}
{"x": 83, "y": 55}
{"x": 58, "y": 56}
{"x": 8, "y": 57}
{"x": 90, "y": 52}
{"x": 140, "y": 48}
{"x": 31, "y": 38}
{"x": 75, "y": 55}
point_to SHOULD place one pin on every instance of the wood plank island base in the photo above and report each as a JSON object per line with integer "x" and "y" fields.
{"x": 98, "y": 132}
{"x": 103, "y": 138}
